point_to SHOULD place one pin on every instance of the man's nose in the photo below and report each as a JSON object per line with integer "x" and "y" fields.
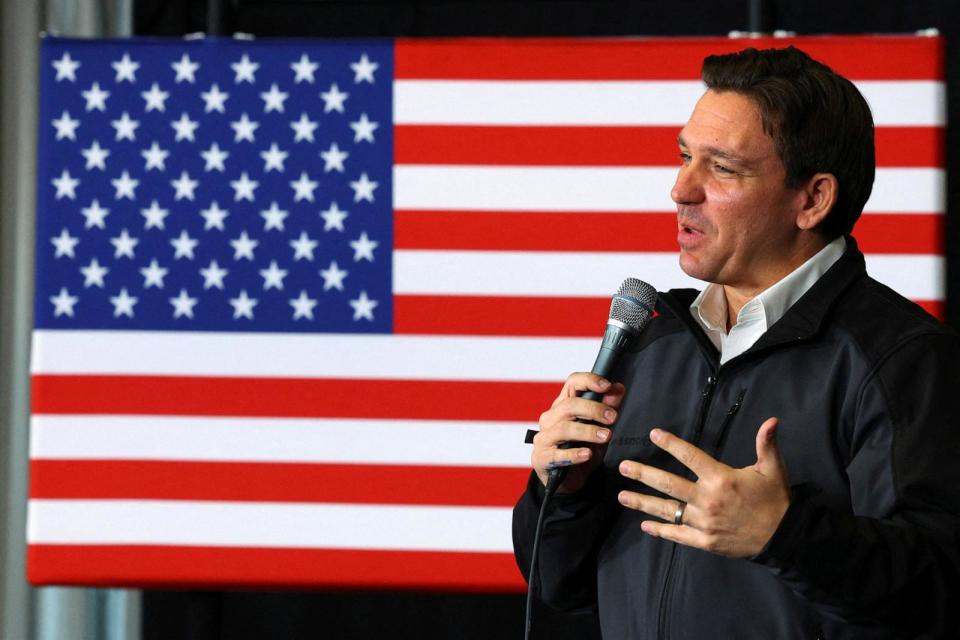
{"x": 688, "y": 188}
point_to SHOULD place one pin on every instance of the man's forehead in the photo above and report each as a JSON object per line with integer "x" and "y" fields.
{"x": 728, "y": 122}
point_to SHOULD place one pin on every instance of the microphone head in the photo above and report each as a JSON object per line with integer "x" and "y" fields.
{"x": 632, "y": 305}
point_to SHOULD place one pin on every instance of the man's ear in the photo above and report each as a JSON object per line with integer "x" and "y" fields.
{"x": 819, "y": 194}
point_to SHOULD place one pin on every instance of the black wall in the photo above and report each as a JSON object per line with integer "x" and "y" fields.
{"x": 337, "y": 615}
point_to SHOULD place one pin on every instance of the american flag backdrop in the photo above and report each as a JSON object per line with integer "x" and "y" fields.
{"x": 298, "y": 301}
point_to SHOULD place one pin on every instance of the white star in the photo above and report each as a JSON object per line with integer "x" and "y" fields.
{"x": 273, "y": 276}
{"x": 185, "y": 69}
{"x": 243, "y": 306}
{"x": 303, "y": 306}
{"x": 124, "y": 186}
{"x": 66, "y": 126}
{"x": 273, "y": 99}
{"x": 244, "y": 128}
{"x": 273, "y": 158}
{"x": 363, "y": 188}
{"x": 126, "y": 69}
{"x": 66, "y": 185}
{"x": 304, "y": 69}
{"x": 214, "y": 217}
{"x": 244, "y": 70}
{"x": 273, "y": 217}
{"x": 333, "y": 277}
{"x": 184, "y": 186}
{"x": 155, "y": 157}
{"x": 64, "y": 244}
{"x": 243, "y": 188}
{"x": 363, "y": 69}
{"x": 123, "y": 245}
{"x": 333, "y": 158}
{"x": 63, "y": 303}
{"x": 303, "y": 247}
{"x": 96, "y": 97}
{"x": 243, "y": 246}
{"x": 363, "y": 248}
{"x": 214, "y": 99}
{"x": 333, "y": 217}
{"x": 363, "y": 307}
{"x": 183, "y": 246}
{"x": 333, "y": 99}
{"x": 66, "y": 69}
{"x": 93, "y": 274}
{"x": 155, "y": 98}
{"x": 96, "y": 156}
{"x": 153, "y": 275}
{"x": 185, "y": 127}
{"x": 154, "y": 216}
{"x": 214, "y": 158}
{"x": 363, "y": 129}
{"x": 213, "y": 275}
{"x": 125, "y": 127}
{"x": 303, "y": 187}
{"x": 123, "y": 304}
{"x": 95, "y": 215}
{"x": 303, "y": 128}
{"x": 183, "y": 304}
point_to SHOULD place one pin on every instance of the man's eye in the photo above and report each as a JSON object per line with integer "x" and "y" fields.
{"x": 684, "y": 157}
{"x": 722, "y": 169}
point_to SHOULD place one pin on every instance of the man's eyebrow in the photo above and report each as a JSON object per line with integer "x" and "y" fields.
{"x": 716, "y": 152}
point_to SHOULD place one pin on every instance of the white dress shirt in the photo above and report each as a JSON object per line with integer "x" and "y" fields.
{"x": 761, "y": 312}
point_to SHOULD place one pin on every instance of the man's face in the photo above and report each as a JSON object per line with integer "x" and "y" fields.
{"x": 736, "y": 218}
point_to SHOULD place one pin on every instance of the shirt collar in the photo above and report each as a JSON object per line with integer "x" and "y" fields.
{"x": 709, "y": 308}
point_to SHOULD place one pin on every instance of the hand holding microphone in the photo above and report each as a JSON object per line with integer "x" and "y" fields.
{"x": 575, "y": 430}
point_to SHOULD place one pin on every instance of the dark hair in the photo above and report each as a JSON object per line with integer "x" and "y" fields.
{"x": 818, "y": 120}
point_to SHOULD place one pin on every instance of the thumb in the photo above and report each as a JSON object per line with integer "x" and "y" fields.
{"x": 769, "y": 460}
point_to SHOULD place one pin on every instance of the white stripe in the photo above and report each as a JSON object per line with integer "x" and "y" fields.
{"x": 559, "y": 189}
{"x": 920, "y": 277}
{"x": 622, "y": 103}
{"x": 312, "y": 356}
{"x": 328, "y": 441}
{"x": 282, "y": 525}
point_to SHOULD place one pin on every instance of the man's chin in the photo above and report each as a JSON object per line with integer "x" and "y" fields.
{"x": 695, "y": 268}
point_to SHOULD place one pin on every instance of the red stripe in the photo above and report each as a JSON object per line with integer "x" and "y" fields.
{"x": 635, "y": 232}
{"x": 911, "y": 147}
{"x": 283, "y": 397}
{"x": 535, "y": 231}
{"x": 856, "y": 57}
{"x": 144, "y": 566}
{"x": 504, "y": 316}
{"x": 936, "y": 308}
{"x": 275, "y": 482}
{"x": 609, "y": 146}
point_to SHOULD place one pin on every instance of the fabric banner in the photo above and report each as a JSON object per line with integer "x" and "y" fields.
{"x": 298, "y": 301}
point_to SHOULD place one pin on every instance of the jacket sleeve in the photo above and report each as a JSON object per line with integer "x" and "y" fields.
{"x": 573, "y": 529}
{"x": 894, "y": 561}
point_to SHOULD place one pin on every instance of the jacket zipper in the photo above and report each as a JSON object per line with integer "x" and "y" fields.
{"x": 665, "y": 595}
{"x": 721, "y": 436}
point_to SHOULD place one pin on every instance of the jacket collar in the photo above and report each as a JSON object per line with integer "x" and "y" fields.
{"x": 802, "y": 321}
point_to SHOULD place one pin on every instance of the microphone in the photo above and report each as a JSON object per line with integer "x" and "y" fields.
{"x": 630, "y": 310}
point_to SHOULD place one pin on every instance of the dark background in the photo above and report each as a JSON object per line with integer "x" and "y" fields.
{"x": 210, "y": 615}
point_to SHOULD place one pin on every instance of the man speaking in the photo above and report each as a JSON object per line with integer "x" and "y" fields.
{"x": 779, "y": 456}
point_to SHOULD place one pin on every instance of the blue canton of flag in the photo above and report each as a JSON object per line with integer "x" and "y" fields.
{"x": 215, "y": 185}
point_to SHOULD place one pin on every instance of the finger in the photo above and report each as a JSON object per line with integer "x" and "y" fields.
{"x": 769, "y": 459}
{"x": 614, "y": 396}
{"x": 690, "y": 456}
{"x": 681, "y": 534}
{"x": 583, "y": 381}
{"x": 555, "y": 458}
{"x": 578, "y": 409}
{"x": 653, "y": 506}
{"x": 663, "y": 481}
{"x": 570, "y": 431}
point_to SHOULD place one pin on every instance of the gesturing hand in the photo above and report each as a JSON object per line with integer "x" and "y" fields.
{"x": 732, "y": 512}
